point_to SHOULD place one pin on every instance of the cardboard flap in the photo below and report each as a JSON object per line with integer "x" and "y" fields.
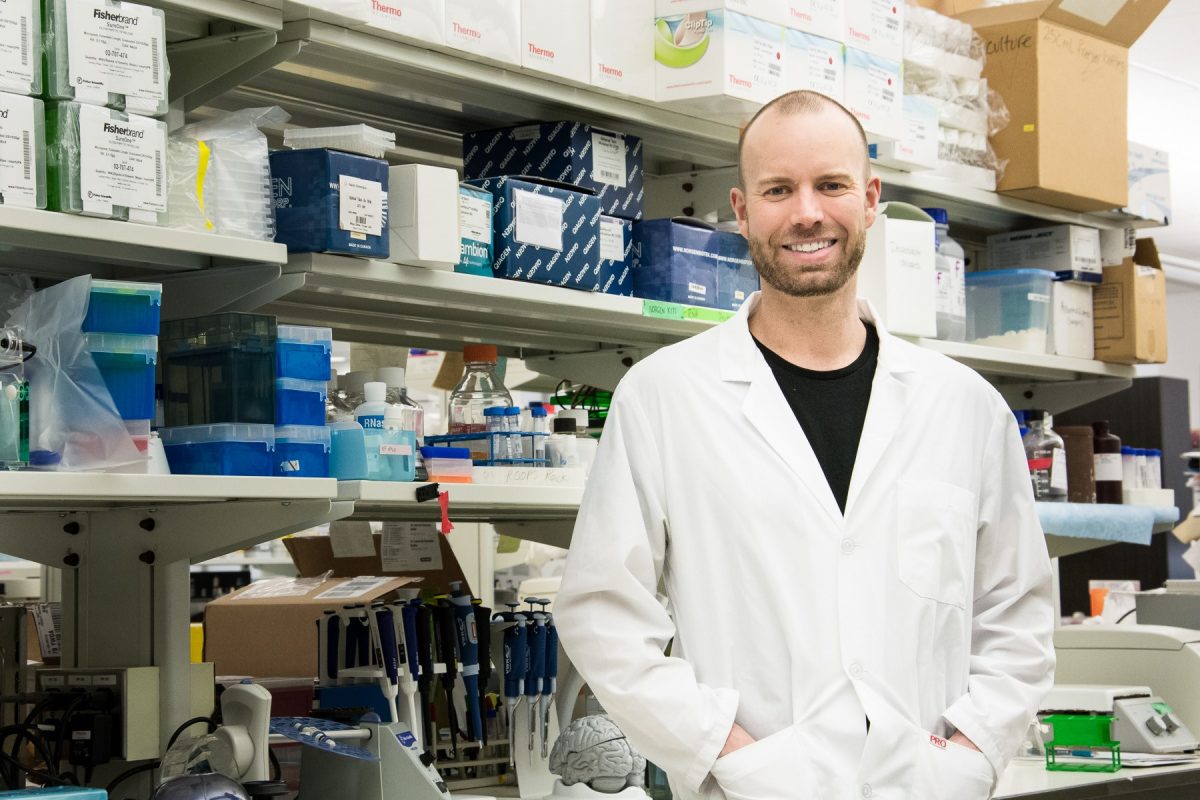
{"x": 1117, "y": 21}
{"x": 897, "y": 210}
{"x": 1146, "y": 254}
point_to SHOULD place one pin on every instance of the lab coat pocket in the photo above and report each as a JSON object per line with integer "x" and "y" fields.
{"x": 949, "y": 771}
{"x": 765, "y": 770}
{"x": 937, "y": 523}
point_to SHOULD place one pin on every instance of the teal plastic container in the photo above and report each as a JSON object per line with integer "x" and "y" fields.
{"x": 219, "y": 368}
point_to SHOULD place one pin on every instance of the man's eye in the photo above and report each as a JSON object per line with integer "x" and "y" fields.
{"x": 832, "y": 186}
{"x": 776, "y": 191}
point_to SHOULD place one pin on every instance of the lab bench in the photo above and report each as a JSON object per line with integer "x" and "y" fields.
{"x": 1029, "y": 780}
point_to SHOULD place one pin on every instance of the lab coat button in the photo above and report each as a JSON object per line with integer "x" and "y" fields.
{"x": 866, "y": 790}
{"x": 848, "y": 546}
{"x": 856, "y": 669}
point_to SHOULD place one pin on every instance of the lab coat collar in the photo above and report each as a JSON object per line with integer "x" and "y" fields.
{"x": 768, "y": 411}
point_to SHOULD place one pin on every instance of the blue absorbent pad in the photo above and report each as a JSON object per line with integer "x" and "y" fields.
{"x": 1115, "y": 523}
{"x": 327, "y": 201}
{"x": 60, "y": 793}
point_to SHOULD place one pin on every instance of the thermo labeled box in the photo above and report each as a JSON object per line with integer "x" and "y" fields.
{"x": 420, "y": 20}
{"x": 555, "y": 39}
{"x": 108, "y": 53}
{"x": 606, "y": 163}
{"x": 423, "y": 216}
{"x": 544, "y": 231}
{"x": 614, "y": 272}
{"x": 825, "y": 18}
{"x": 677, "y": 260}
{"x": 874, "y": 94}
{"x": 485, "y": 29}
{"x": 876, "y": 26}
{"x": 21, "y": 47}
{"x": 622, "y": 39}
{"x": 1072, "y": 252}
{"x": 327, "y": 201}
{"x": 22, "y": 151}
{"x": 917, "y": 149}
{"x": 475, "y": 230}
{"x": 817, "y": 64}
{"x": 773, "y": 11}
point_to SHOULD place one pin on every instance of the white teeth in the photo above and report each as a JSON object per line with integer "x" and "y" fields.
{"x": 810, "y": 247}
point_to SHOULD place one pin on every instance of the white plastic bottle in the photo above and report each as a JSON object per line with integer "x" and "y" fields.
{"x": 951, "y": 269}
{"x": 370, "y": 416}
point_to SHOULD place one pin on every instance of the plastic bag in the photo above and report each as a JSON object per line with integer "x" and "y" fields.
{"x": 73, "y": 423}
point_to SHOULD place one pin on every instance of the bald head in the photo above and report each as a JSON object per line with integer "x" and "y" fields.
{"x": 801, "y": 102}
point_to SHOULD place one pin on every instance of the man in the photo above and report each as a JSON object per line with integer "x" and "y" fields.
{"x": 857, "y": 590}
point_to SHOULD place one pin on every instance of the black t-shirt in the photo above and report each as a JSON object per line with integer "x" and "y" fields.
{"x": 831, "y": 407}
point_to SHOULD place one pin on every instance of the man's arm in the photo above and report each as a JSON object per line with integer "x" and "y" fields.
{"x": 1012, "y": 650}
{"x": 611, "y": 623}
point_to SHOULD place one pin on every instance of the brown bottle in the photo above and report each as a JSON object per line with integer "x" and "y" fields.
{"x": 1107, "y": 449}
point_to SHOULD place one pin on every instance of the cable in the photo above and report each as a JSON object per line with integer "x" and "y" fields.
{"x": 1123, "y": 616}
{"x": 35, "y": 738}
{"x": 44, "y": 777}
{"x": 64, "y": 725}
{"x": 276, "y": 769}
{"x": 129, "y": 773}
{"x": 212, "y": 726}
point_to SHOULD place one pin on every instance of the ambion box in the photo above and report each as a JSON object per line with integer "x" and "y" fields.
{"x": 825, "y": 18}
{"x": 675, "y": 260}
{"x": 544, "y": 231}
{"x": 614, "y": 272}
{"x": 773, "y": 11}
{"x": 475, "y": 230}
{"x": 1071, "y": 251}
{"x": 622, "y": 34}
{"x": 1072, "y": 323}
{"x": 917, "y": 149}
{"x": 423, "y": 216}
{"x": 876, "y": 26}
{"x": 422, "y": 20}
{"x": 816, "y": 63}
{"x": 718, "y": 63}
{"x": 555, "y": 39}
{"x": 874, "y": 94}
{"x": 898, "y": 271}
{"x": 606, "y": 163}
{"x": 328, "y": 201}
{"x": 22, "y": 151}
{"x": 485, "y": 29}
{"x": 1131, "y": 310}
{"x": 1149, "y": 184}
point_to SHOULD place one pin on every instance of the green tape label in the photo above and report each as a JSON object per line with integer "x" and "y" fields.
{"x": 658, "y": 309}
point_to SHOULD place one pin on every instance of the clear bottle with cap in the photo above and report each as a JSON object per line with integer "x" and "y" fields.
{"x": 369, "y": 414}
{"x": 1129, "y": 476}
{"x": 1047, "y": 458}
{"x": 512, "y": 429}
{"x": 1107, "y": 449}
{"x": 538, "y": 441}
{"x": 950, "y": 265}
{"x": 397, "y": 393}
{"x": 398, "y": 445}
{"x": 497, "y": 430}
{"x": 479, "y": 388}
{"x": 561, "y": 446}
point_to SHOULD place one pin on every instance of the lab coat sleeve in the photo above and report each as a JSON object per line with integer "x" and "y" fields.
{"x": 610, "y": 621}
{"x": 1012, "y": 649}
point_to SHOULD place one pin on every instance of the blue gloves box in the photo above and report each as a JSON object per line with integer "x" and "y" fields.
{"x": 606, "y": 163}
{"x": 684, "y": 260}
{"x": 544, "y": 231}
{"x": 614, "y": 275}
{"x": 327, "y": 201}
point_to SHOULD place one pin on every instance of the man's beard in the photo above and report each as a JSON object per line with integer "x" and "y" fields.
{"x": 799, "y": 282}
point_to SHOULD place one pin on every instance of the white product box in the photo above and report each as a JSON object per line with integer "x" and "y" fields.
{"x": 623, "y": 47}
{"x": 1071, "y": 324}
{"x": 423, "y": 216}
{"x": 1149, "y": 184}
{"x": 349, "y": 13}
{"x": 874, "y": 94}
{"x": 816, "y": 63}
{"x": 917, "y": 149}
{"x": 422, "y": 20}
{"x": 774, "y": 11}
{"x": 876, "y": 26}
{"x": 21, "y": 47}
{"x": 555, "y": 39}
{"x": 898, "y": 273}
{"x": 966, "y": 175}
{"x": 1061, "y": 248}
{"x": 719, "y": 63}
{"x": 485, "y": 29}
{"x": 825, "y": 18}
{"x": 1116, "y": 245}
{"x": 22, "y": 151}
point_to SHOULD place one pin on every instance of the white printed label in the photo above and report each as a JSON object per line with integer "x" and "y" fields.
{"x": 355, "y": 587}
{"x": 47, "y": 618}
{"x": 351, "y": 540}
{"x": 17, "y": 53}
{"x": 360, "y": 206}
{"x": 280, "y": 587}
{"x": 608, "y": 159}
{"x": 116, "y": 47}
{"x": 411, "y": 547}
{"x": 1108, "y": 467}
{"x": 18, "y": 176}
{"x": 121, "y": 163}
{"x": 525, "y": 133}
{"x": 539, "y": 219}
{"x": 698, "y": 288}
{"x": 612, "y": 240}
{"x": 882, "y": 91}
{"x": 475, "y": 218}
{"x": 768, "y": 65}
{"x": 1038, "y": 297}
{"x": 395, "y": 450}
{"x": 1058, "y": 470}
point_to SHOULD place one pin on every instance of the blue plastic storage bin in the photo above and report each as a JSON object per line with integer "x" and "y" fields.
{"x": 303, "y": 352}
{"x": 225, "y": 449}
{"x": 302, "y": 451}
{"x": 300, "y": 402}
{"x": 123, "y": 307}
{"x": 126, "y": 362}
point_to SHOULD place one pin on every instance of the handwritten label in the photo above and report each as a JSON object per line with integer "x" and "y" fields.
{"x": 526, "y": 476}
{"x": 658, "y": 309}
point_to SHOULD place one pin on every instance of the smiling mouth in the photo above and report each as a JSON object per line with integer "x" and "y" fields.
{"x": 811, "y": 247}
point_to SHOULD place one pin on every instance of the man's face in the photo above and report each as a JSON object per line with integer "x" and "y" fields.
{"x": 807, "y": 202}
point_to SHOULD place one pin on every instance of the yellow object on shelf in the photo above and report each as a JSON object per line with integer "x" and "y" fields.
{"x": 197, "y": 642}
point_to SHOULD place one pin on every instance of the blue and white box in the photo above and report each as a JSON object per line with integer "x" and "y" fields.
{"x": 737, "y": 278}
{"x": 675, "y": 260}
{"x": 614, "y": 275}
{"x": 544, "y": 231}
{"x": 606, "y": 163}
{"x": 327, "y": 201}
{"x": 474, "y": 230}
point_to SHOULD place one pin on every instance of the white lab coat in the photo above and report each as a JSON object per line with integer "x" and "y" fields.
{"x": 928, "y": 605}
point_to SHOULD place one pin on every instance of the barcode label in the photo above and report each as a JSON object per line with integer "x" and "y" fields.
{"x": 154, "y": 61}
{"x": 158, "y": 174}
{"x": 775, "y": 70}
{"x": 27, "y": 156}
{"x": 24, "y": 41}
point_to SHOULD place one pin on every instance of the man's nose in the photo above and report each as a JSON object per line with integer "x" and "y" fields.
{"x": 806, "y": 210}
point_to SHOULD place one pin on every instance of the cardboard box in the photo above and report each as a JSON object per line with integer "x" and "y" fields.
{"x": 898, "y": 273}
{"x": 876, "y": 26}
{"x": 606, "y": 163}
{"x": 917, "y": 149}
{"x": 555, "y": 38}
{"x": 1131, "y": 310}
{"x": 1116, "y": 245}
{"x": 327, "y": 201}
{"x": 253, "y": 633}
{"x": 485, "y": 29}
{"x": 614, "y": 274}
{"x": 622, "y": 39}
{"x": 815, "y": 63}
{"x": 420, "y": 20}
{"x": 1062, "y": 67}
{"x": 1070, "y": 251}
{"x": 313, "y": 557}
{"x": 1149, "y": 184}
{"x": 679, "y": 260}
{"x": 825, "y": 18}
{"x": 423, "y": 216}
{"x": 717, "y": 63}
{"x": 544, "y": 231}
{"x": 773, "y": 11}
{"x": 1072, "y": 322}
{"x": 874, "y": 94}
{"x": 475, "y": 229}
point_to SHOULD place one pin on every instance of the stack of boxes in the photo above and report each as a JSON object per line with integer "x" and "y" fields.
{"x": 302, "y": 369}
{"x": 22, "y": 114}
{"x": 684, "y": 260}
{"x": 874, "y": 72}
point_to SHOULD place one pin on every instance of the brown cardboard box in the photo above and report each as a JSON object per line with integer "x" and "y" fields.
{"x": 246, "y": 633}
{"x": 1130, "y": 310}
{"x": 1065, "y": 80}
{"x": 313, "y": 556}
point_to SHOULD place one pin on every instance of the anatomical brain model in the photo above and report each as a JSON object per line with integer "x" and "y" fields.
{"x": 593, "y": 751}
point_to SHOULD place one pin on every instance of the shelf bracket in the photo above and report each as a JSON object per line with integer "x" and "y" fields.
{"x": 246, "y": 288}
{"x": 600, "y": 368}
{"x": 1058, "y": 396}
{"x": 202, "y": 69}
